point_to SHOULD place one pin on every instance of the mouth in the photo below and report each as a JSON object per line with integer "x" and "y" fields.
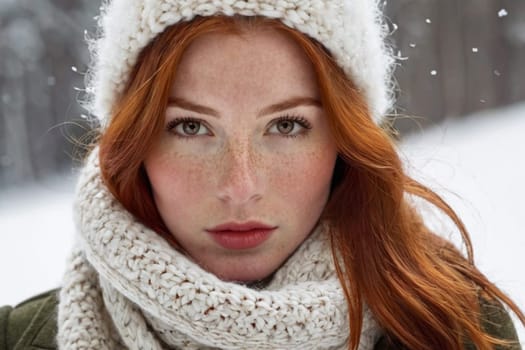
{"x": 239, "y": 236}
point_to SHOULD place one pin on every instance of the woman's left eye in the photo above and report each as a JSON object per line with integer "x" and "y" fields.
{"x": 187, "y": 127}
{"x": 289, "y": 126}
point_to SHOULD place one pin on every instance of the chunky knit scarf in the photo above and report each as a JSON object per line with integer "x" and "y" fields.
{"x": 127, "y": 288}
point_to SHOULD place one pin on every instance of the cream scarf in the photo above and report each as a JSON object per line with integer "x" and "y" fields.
{"x": 126, "y": 288}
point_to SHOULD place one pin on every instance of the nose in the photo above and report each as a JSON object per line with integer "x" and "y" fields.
{"x": 239, "y": 178}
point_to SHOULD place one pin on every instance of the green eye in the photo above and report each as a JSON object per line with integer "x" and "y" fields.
{"x": 191, "y": 127}
{"x": 286, "y": 126}
{"x": 187, "y": 127}
{"x": 290, "y": 126}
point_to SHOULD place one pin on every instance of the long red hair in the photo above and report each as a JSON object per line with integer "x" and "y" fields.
{"x": 422, "y": 291}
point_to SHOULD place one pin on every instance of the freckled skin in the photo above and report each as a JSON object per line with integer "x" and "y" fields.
{"x": 242, "y": 167}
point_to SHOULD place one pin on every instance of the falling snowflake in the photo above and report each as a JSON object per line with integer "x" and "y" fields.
{"x": 497, "y": 73}
{"x": 474, "y": 49}
{"x": 74, "y": 69}
{"x": 502, "y": 13}
{"x": 428, "y": 20}
{"x": 412, "y": 45}
{"x": 51, "y": 80}
{"x": 482, "y": 101}
{"x": 433, "y": 72}
{"x": 400, "y": 57}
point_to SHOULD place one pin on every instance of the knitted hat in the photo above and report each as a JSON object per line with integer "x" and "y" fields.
{"x": 353, "y": 31}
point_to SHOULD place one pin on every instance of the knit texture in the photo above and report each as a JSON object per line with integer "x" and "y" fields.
{"x": 352, "y": 30}
{"x": 127, "y": 288}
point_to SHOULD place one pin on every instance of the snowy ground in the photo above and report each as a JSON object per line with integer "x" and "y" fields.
{"x": 35, "y": 236}
{"x": 477, "y": 164}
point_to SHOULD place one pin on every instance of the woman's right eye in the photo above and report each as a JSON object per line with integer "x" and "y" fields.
{"x": 187, "y": 127}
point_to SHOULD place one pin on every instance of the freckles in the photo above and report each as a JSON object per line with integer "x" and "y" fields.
{"x": 199, "y": 173}
{"x": 292, "y": 173}
{"x": 187, "y": 173}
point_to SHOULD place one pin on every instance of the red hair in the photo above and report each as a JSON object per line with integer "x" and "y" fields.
{"x": 422, "y": 291}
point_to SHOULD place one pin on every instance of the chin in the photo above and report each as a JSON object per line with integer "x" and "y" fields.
{"x": 243, "y": 277}
{"x": 244, "y": 273}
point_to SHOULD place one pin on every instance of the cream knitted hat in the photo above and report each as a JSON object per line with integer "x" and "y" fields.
{"x": 353, "y": 31}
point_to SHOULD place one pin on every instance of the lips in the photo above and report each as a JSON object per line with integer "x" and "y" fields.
{"x": 238, "y": 236}
{"x": 245, "y": 226}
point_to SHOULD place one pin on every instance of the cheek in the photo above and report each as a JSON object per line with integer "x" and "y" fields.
{"x": 177, "y": 180}
{"x": 299, "y": 178}
{"x": 304, "y": 178}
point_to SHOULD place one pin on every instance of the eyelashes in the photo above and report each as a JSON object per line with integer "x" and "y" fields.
{"x": 286, "y": 126}
{"x": 189, "y": 125}
{"x": 302, "y": 121}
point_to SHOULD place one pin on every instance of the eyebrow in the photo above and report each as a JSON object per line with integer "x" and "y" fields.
{"x": 290, "y": 103}
{"x": 274, "y": 108}
{"x": 190, "y": 106}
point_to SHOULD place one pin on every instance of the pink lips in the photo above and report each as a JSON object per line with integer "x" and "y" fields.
{"x": 237, "y": 236}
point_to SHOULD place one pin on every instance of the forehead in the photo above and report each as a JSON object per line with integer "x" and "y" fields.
{"x": 263, "y": 61}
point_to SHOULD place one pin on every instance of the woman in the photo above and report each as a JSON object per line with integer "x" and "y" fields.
{"x": 242, "y": 195}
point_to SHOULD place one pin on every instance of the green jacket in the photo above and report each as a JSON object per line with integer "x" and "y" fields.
{"x": 32, "y": 325}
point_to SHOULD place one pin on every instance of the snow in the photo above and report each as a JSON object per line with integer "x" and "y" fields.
{"x": 36, "y": 233}
{"x": 476, "y": 163}
{"x": 51, "y": 81}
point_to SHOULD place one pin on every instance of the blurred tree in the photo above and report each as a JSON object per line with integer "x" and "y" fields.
{"x": 39, "y": 42}
{"x": 458, "y": 57}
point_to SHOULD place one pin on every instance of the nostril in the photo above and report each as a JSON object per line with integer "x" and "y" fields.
{"x": 239, "y": 186}
{"x": 239, "y": 177}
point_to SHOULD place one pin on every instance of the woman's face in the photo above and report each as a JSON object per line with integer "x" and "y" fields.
{"x": 246, "y": 144}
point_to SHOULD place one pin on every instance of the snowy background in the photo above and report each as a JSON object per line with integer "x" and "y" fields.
{"x": 476, "y": 163}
